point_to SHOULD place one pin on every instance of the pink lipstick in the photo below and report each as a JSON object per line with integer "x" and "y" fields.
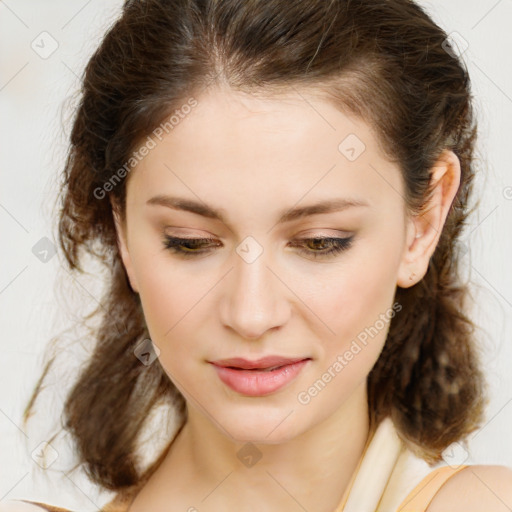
{"x": 260, "y": 377}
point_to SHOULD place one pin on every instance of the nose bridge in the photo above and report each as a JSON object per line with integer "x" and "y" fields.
{"x": 254, "y": 300}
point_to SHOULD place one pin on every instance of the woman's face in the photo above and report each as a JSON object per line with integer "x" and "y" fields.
{"x": 256, "y": 287}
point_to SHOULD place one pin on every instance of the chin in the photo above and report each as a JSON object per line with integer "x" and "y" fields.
{"x": 262, "y": 425}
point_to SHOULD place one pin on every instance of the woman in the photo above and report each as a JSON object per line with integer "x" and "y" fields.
{"x": 278, "y": 189}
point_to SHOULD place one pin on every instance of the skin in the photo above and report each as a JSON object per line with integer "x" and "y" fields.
{"x": 253, "y": 158}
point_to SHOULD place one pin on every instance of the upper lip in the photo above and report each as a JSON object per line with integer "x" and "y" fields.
{"x": 264, "y": 362}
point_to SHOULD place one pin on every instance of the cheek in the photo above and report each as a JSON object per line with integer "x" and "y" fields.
{"x": 355, "y": 305}
{"x": 176, "y": 302}
{"x": 357, "y": 309}
{"x": 165, "y": 294}
{"x": 354, "y": 297}
{"x": 168, "y": 307}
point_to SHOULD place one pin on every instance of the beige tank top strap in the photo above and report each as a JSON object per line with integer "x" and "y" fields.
{"x": 422, "y": 495}
{"x": 45, "y": 506}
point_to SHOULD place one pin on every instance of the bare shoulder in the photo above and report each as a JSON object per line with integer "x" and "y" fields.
{"x": 476, "y": 489}
{"x": 18, "y": 506}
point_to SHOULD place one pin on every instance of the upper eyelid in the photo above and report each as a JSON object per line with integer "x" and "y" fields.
{"x": 303, "y": 237}
{"x": 316, "y": 233}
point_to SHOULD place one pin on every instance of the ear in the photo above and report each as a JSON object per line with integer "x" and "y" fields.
{"x": 123, "y": 246}
{"x": 424, "y": 229}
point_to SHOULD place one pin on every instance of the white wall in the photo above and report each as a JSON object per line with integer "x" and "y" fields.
{"x": 33, "y": 144}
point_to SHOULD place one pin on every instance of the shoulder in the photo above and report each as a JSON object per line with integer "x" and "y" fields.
{"x": 25, "y": 506}
{"x": 476, "y": 489}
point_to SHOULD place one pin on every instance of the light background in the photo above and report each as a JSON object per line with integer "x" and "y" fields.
{"x": 34, "y": 306}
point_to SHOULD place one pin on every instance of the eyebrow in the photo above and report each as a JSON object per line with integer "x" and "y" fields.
{"x": 285, "y": 216}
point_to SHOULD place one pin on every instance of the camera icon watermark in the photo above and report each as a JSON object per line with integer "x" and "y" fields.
{"x": 455, "y": 455}
{"x": 455, "y": 45}
{"x": 44, "y": 45}
{"x": 146, "y": 352}
{"x": 463, "y": 248}
{"x": 44, "y": 455}
{"x": 352, "y": 147}
{"x": 249, "y": 455}
{"x": 249, "y": 249}
{"x": 44, "y": 250}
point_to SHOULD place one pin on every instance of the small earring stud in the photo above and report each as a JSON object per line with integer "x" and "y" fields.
{"x": 412, "y": 276}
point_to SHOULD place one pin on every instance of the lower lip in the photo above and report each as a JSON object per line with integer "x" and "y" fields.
{"x": 259, "y": 382}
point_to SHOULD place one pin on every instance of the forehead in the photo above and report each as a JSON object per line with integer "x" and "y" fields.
{"x": 283, "y": 148}
{"x": 281, "y": 120}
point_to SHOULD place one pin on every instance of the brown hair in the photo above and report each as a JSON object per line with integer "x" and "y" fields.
{"x": 383, "y": 60}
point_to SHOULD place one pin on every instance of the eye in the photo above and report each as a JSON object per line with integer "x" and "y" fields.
{"x": 186, "y": 246}
{"x": 334, "y": 245}
{"x": 322, "y": 246}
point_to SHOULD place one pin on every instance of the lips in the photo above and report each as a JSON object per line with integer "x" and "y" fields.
{"x": 264, "y": 363}
{"x": 260, "y": 377}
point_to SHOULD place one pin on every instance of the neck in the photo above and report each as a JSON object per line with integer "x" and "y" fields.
{"x": 309, "y": 471}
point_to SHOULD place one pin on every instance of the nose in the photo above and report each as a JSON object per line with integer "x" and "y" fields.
{"x": 255, "y": 299}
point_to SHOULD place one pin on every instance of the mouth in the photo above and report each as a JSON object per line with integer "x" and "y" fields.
{"x": 268, "y": 363}
{"x": 261, "y": 377}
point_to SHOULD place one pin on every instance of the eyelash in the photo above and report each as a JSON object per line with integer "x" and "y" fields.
{"x": 339, "y": 245}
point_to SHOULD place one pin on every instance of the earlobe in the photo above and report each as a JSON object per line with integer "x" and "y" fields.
{"x": 424, "y": 229}
{"x": 123, "y": 247}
